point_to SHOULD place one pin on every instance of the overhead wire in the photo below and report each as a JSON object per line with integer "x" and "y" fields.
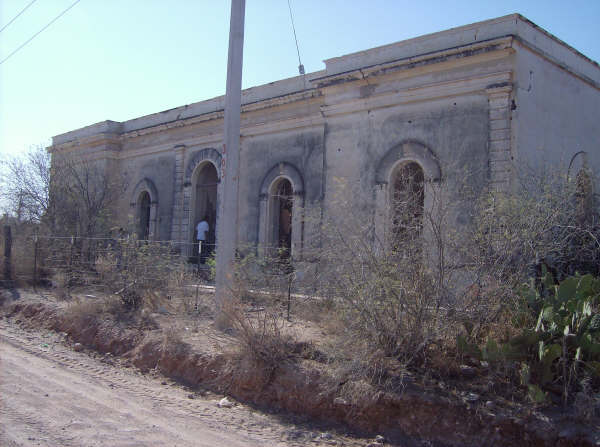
{"x": 300, "y": 66}
{"x": 17, "y": 16}
{"x": 39, "y": 32}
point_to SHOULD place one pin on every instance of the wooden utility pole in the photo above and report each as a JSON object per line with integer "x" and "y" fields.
{"x": 228, "y": 205}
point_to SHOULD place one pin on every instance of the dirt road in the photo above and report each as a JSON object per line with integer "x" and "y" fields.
{"x": 53, "y": 396}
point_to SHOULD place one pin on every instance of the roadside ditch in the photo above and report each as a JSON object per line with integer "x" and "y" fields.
{"x": 302, "y": 386}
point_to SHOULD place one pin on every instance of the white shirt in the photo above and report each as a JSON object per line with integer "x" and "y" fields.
{"x": 201, "y": 230}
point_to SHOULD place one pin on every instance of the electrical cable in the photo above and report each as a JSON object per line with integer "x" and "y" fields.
{"x": 300, "y": 66}
{"x": 17, "y": 16}
{"x": 39, "y": 32}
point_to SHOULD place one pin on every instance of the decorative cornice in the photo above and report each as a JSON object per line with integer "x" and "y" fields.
{"x": 476, "y": 50}
{"x": 100, "y": 139}
{"x": 219, "y": 114}
{"x": 283, "y": 125}
{"x": 420, "y": 93}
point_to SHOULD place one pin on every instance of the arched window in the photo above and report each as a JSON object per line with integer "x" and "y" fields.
{"x": 281, "y": 206}
{"x": 144, "y": 216}
{"x": 406, "y": 180}
{"x": 144, "y": 210}
{"x": 280, "y": 228}
{"x": 205, "y": 180}
{"x": 407, "y": 199}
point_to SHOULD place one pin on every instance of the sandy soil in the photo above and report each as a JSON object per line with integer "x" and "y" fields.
{"x": 53, "y": 396}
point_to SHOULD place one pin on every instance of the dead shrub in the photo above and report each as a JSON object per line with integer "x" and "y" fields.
{"x": 173, "y": 343}
{"x": 84, "y": 313}
{"x": 390, "y": 298}
{"x": 61, "y": 286}
{"x": 261, "y": 335}
{"x": 143, "y": 274}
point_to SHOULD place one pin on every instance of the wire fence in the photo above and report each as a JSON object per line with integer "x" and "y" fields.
{"x": 108, "y": 264}
{"x": 97, "y": 265}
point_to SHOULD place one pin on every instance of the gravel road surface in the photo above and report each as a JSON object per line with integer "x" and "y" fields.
{"x": 51, "y": 395}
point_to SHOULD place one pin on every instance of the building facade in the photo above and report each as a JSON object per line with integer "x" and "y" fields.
{"x": 471, "y": 105}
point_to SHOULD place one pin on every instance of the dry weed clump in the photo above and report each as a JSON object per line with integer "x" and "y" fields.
{"x": 173, "y": 343}
{"x": 89, "y": 311}
{"x": 143, "y": 274}
{"x": 84, "y": 310}
{"x": 391, "y": 299}
{"x": 260, "y": 332}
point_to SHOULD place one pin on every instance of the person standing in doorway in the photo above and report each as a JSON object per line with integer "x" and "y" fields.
{"x": 201, "y": 231}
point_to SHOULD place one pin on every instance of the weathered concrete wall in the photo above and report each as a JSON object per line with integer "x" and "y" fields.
{"x": 556, "y": 114}
{"x": 454, "y": 129}
{"x": 473, "y": 105}
{"x": 302, "y": 149}
{"x": 159, "y": 169}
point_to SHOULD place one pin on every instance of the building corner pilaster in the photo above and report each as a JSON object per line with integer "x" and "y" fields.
{"x": 177, "y": 223}
{"x": 500, "y": 136}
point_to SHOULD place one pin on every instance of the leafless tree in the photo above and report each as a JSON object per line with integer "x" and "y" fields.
{"x": 25, "y": 185}
{"x": 82, "y": 196}
{"x": 66, "y": 194}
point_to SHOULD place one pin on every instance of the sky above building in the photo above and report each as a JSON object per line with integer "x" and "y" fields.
{"x": 121, "y": 59}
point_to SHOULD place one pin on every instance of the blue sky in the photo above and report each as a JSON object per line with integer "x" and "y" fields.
{"x": 120, "y": 59}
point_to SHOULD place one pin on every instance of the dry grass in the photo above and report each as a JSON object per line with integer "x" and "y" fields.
{"x": 172, "y": 341}
{"x": 260, "y": 333}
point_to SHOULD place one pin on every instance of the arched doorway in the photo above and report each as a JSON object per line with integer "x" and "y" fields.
{"x": 281, "y": 205}
{"x": 205, "y": 180}
{"x": 407, "y": 199}
{"x": 144, "y": 216}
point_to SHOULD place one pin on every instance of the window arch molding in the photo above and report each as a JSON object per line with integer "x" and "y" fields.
{"x": 404, "y": 153}
{"x": 408, "y": 151}
{"x": 145, "y": 186}
{"x": 286, "y": 170}
{"x": 209, "y": 154}
{"x": 274, "y": 176}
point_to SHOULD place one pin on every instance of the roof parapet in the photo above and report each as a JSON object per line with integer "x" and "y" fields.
{"x": 511, "y": 25}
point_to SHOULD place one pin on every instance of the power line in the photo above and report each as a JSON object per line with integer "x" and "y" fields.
{"x": 39, "y": 32}
{"x": 300, "y": 66}
{"x": 17, "y": 16}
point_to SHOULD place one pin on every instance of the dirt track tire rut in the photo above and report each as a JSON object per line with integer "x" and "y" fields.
{"x": 52, "y": 395}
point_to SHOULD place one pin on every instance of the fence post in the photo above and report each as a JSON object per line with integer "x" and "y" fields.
{"x": 70, "y": 269}
{"x": 35, "y": 256}
{"x": 289, "y": 295}
{"x": 7, "y": 251}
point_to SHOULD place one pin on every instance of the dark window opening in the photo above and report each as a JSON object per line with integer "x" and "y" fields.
{"x": 407, "y": 202}
{"x": 282, "y": 206}
{"x": 144, "y": 223}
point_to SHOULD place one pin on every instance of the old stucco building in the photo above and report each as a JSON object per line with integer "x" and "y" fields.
{"x": 483, "y": 99}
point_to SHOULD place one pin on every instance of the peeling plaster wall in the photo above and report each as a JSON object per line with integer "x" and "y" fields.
{"x": 301, "y": 148}
{"x": 451, "y": 92}
{"x": 159, "y": 169}
{"x": 454, "y": 129}
{"x": 557, "y": 114}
